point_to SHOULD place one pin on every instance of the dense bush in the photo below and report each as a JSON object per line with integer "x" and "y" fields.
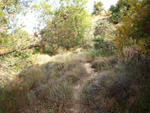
{"x": 103, "y": 40}
{"x": 118, "y": 11}
{"x": 125, "y": 90}
{"x": 8, "y": 17}
{"x": 103, "y": 46}
{"x": 134, "y": 29}
{"x": 98, "y": 8}
{"x": 105, "y": 28}
{"x": 17, "y": 40}
{"x": 66, "y": 26}
{"x": 19, "y": 59}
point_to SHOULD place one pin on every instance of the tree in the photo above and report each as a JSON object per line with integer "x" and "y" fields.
{"x": 98, "y": 8}
{"x": 8, "y": 20}
{"x": 118, "y": 11}
{"x": 65, "y": 24}
{"x": 8, "y": 11}
{"x": 10, "y": 33}
{"x": 135, "y": 28}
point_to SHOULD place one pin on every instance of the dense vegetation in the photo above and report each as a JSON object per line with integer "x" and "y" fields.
{"x": 135, "y": 27}
{"x": 98, "y": 8}
{"x": 74, "y": 62}
{"x": 119, "y": 11}
{"x": 66, "y": 25}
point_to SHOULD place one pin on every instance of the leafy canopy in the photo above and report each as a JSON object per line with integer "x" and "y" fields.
{"x": 118, "y": 11}
{"x": 98, "y": 8}
{"x": 65, "y": 23}
{"x": 9, "y": 9}
{"x": 135, "y": 27}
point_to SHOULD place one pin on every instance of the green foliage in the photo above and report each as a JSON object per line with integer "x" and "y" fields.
{"x": 118, "y": 11}
{"x": 14, "y": 63}
{"x": 104, "y": 33}
{"x": 103, "y": 47}
{"x": 8, "y": 16}
{"x": 99, "y": 42}
{"x": 7, "y": 8}
{"x": 105, "y": 28}
{"x": 98, "y": 8}
{"x": 66, "y": 26}
{"x": 135, "y": 27}
{"x": 18, "y": 39}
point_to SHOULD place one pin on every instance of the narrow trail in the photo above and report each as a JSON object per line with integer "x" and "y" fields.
{"x": 77, "y": 88}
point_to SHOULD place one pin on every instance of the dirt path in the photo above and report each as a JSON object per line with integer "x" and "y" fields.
{"x": 77, "y": 88}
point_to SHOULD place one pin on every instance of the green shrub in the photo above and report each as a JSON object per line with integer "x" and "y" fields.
{"x": 98, "y": 8}
{"x": 134, "y": 30}
{"x": 67, "y": 26}
{"x": 103, "y": 44}
{"x": 104, "y": 48}
{"x": 99, "y": 42}
{"x": 118, "y": 11}
{"x": 105, "y": 28}
{"x": 14, "y": 97}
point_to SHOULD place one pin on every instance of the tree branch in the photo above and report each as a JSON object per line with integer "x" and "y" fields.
{"x": 29, "y": 47}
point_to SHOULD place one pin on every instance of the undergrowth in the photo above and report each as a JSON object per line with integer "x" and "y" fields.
{"x": 125, "y": 90}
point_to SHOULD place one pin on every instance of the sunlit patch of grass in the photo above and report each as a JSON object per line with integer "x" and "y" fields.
{"x": 48, "y": 84}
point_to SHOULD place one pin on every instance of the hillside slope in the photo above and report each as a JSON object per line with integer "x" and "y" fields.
{"x": 79, "y": 81}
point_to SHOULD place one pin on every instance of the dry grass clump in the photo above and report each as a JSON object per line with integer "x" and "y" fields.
{"x": 33, "y": 75}
{"x": 57, "y": 90}
{"x": 49, "y": 98}
{"x": 71, "y": 69}
{"x": 94, "y": 95}
{"x": 126, "y": 90}
{"x": 32, "y": 90}
{"x": 100, "y": 64}
{"x": 14, "y": 95}
{"x": 58, "y": 96}
{"x": 103, "y": 94}
{"x": 46, "y": 88}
